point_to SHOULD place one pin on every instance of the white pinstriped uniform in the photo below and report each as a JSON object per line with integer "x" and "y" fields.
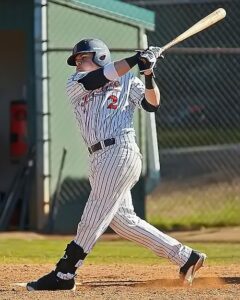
{"x": 108, "y": 113}
{"x": 98, "y": 115}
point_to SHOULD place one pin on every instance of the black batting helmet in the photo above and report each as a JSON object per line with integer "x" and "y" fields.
{"x": 101, "y": 52}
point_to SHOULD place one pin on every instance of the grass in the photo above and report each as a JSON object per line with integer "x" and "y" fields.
{"x": 207, "y": 205}
{"x": 35, "y": 251}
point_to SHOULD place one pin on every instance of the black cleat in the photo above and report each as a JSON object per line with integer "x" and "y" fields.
{"x": 194, "y": 263}
{"x": 51, "y": 282}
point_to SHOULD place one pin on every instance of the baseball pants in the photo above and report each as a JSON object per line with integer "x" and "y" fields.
{"x": 113, "y": 172}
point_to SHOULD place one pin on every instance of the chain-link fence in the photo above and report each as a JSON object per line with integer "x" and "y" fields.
{"x": 198, "y": 124}
{"x": 68, "y": 22}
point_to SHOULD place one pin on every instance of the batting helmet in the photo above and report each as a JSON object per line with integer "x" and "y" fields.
{"x": 101, "y": 52}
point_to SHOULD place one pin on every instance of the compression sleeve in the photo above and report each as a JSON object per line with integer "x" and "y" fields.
{"x": 94, "y": 80}
{"x": 149, "y": 107}
{"x": 132, "y": 60}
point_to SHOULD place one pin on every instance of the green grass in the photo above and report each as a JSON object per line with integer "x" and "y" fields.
{"x": 35, "y": 251}
{"x": 208, "y": 205}
{"x": 226, "y": 216}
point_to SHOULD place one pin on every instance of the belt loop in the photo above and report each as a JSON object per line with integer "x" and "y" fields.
{"x": 102, "y": 144}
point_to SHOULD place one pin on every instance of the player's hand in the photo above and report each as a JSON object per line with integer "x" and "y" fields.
{"x": 157, "y": 51}
{"x": 146, "y": 61}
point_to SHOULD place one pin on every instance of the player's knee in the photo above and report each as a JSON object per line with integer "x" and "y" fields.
{"x": 125, "y": 221}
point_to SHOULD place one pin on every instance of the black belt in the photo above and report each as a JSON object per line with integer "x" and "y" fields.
{"x": 98, "y": 146}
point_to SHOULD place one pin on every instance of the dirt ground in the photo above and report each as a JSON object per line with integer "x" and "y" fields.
{"x": 123, "y": 282}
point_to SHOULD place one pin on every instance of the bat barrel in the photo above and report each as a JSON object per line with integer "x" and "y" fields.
{"x": 204, "y": 23}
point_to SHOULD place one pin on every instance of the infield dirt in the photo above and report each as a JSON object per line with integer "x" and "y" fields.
{"x": 126, "y": 282}
{"x": 123, "y": 282}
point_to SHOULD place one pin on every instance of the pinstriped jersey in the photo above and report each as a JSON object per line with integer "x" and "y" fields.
{"x": 108, "y": 111}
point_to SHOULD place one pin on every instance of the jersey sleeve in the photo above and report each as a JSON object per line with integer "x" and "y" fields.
{"x": 137, "y": 92}
{"x": 76, "y": 90}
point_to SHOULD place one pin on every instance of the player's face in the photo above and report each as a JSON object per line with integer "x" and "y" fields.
{"x": 84, "y": 62}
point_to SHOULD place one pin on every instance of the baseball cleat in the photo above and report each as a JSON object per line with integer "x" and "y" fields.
{"x": 51, "y": 282}
{"x": 194, "y": 263}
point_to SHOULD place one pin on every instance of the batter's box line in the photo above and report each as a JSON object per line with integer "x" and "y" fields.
{"x": 92, "y": 283}
{"x": 24, "y": 284}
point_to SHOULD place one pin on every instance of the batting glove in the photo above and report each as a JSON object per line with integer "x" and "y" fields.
{"x": 146, "y": 61}
{"x": 157, "y": 51}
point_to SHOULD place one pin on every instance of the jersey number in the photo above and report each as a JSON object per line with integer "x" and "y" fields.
{"x": 113, "y": 104}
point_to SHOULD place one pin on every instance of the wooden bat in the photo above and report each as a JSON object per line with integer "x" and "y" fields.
{"x": 204, "y": 23}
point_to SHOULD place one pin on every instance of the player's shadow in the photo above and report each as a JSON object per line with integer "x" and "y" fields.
{"x": 198, "y": 282}
{"x": 230, "y": 280}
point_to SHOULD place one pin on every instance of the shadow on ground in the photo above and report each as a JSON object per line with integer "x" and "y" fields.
{"x": 198, "y": 282}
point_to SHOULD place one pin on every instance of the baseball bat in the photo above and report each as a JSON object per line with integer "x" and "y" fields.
{"x": 204, "y": 23}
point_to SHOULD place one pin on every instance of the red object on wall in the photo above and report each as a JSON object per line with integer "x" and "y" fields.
{"x": 18, "y": 130}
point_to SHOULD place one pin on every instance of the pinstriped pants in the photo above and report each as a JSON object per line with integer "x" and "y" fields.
{"x": 114, "y": 171}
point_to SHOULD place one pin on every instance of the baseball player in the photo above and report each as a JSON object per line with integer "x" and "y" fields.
{"x": 104, "y": 95}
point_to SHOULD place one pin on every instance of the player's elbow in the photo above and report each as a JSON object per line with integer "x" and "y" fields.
{"x": 150, "y": 106}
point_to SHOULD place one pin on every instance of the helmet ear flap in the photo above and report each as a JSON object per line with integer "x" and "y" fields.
{"x": 102, "y": 57}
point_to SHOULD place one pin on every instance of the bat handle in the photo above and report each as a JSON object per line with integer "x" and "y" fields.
{"x": 160, "y": 54}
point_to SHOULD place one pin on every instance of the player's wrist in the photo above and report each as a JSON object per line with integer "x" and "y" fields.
{"x": 149, "y": 81}
{"x": 148, "y": 73}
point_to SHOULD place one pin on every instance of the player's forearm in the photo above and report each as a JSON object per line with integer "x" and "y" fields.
{"x": 152, "y": 93}
{"x": 120, "y": 67}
